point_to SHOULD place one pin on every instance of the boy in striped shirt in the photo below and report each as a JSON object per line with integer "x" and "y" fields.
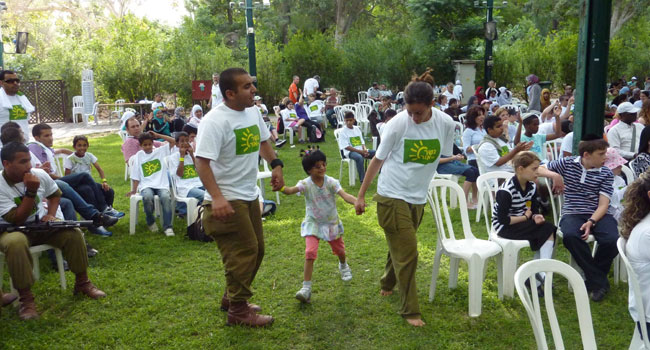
{"x": 586, "y": 211}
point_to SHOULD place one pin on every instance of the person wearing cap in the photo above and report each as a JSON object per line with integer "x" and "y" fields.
{"x": 531, "y": 125}
{"x": 625, "y": 135}
{"x": 485, "y": 104}
{"x": 615, "y": 162}
{"x": 217, "y": 96}
{"x": 311, "y": 86}
{"x": 374, "y": 92}
{"x": 261, "y": 106}
{"x": 632, "y": 83}
{"x": 458, "y": 91}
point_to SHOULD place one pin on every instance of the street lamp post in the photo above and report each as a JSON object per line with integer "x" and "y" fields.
{"x": 490, "y": 36}
{"x": 250, "y": 33}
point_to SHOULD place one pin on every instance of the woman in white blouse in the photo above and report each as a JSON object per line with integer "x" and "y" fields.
{"x": 474, "y": 132}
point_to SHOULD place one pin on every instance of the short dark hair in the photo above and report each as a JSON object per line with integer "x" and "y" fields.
{"x": 490, "y": 122}
{"x": 227, "y": 80}
{"x": 348, "y": 115}
{"x": 452, "y": 101}
{"x": 128, "y": 120}
{"x": 418, "y": 92}
{"x": 590, "y": 145}
{"x": 36, "y": 130}
{"x": 389, "y": 113}
{"x": 11, "y": 135}
{"x": 530, "y": 119}
{"x": 310, "y": 159}
{"x": 79, "y": 138}
{"x": 190, "y": 129}
{"x": 180, "y": 134}
{"x": 5, "y": 72}
{"x": 8, "y": 125}
{"x": 564, "y": 98}
{"x": 144, "y": 137}
{"x": 9, "y": 151}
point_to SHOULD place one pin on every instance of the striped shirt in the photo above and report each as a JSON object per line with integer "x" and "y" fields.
{"x": 582, "y": 187}
{"x": 512, "y": 200}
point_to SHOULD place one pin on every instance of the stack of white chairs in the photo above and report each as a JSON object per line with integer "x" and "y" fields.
{"x": 363, "y": 111}
{"x": 531, "y": 302}
{"x": 338, "y": 111}
{"x": 633, "y": 284}
{"x": 474, "y": 251}
{"x": 77, "y": 108}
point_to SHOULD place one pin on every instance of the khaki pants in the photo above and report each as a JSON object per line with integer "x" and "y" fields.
{"x": 241, "y": 243}
{"x": 400, "y": 221}
{"x": 15, "y": 247}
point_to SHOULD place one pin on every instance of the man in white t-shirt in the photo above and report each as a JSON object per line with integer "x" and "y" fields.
{"x": 14, "y": 105}
{"x": 21, "y": 191}
{"x": 409, "y": 152}
{"x": 231, "y": 138}
{"x": 311, "y": 86}
{"x": 352, "y": 144}
{"x": 458, "y": 91}
{"x": 216, "y": 96}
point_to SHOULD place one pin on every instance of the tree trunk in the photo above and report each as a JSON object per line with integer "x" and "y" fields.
{"x": 623, "y": 11}
{"x": 286, "y": 20}
{"x": 347, "y": 11}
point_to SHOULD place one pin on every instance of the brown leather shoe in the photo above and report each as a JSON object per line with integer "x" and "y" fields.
{"x": 225, "y": 304}
{"x": 7, "y": 299}
{"x": 27, "y": 310}
{"x": 239, "y": 313}
{"x": 84, "y": 286}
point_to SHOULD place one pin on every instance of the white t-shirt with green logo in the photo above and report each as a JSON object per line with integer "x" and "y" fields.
{"x": 315, "y": 108}
{"x": 350, "y": 137}
{"x": 190, "y": 178}
{"x": 150, "y": 168}
{"x": 231, "y": 141}
{"x": 489, "y": 156}
{"x": 16, "y": 114}
{"x": 11, "y": 195}
{"x": 411, "y": 153}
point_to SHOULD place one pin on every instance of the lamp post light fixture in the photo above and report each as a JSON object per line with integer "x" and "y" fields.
{"x": 250, "y": 32}
{"x": 490, "y": 28}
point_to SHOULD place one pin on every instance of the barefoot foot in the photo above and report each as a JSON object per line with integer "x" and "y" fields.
{"x": 415, "y": 322}
{"x": 385, "y": 293}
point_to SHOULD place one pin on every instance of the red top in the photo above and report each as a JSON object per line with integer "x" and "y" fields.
{"x": 293, "y": 92}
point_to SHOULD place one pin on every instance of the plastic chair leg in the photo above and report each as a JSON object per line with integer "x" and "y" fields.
{"x": 510, "y": 259}
{"x": 59, "y": 265}
{"x": 453, "y": 272}
{"x": 476, "y": 265}
{"x": 352, "y": 174}
{"x": 36, "y": 266}
{"x": 2, "y": 266}
{"x": 481, "y": 197}
{"x": 133, "y": 214}
{"x": 434, "y": 274}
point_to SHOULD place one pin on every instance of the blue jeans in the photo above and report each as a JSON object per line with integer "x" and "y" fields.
{"x": 606, "y": 233}
{"x": 84, "y": 184}
{"x": 165, "y": 203}
{"x": 67, "y": 209}
{"x": 358, "y": 159}
{"x": 196, "y": 192}
{"x": 84, "y": 209}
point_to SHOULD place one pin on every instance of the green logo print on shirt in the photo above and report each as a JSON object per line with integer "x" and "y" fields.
{"x": 19, "y": 200}
{"x": 247, "y": 140}
{"x": 503, "y": 151}
{"x": 313, "y": 108}
{"x": 355, "y": 141}
{"x": 189, "y": 172}
{"x": 421, "y": 151}
{"x": 151, "y": 167}
{"x": 17, "y": 113}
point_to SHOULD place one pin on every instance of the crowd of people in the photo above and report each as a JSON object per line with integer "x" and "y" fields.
{"x": 214, "y": 158}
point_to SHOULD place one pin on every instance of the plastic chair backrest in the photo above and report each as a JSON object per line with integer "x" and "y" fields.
{"x": 458, "y": 134}
{"x": 77, "y": 101}
{"x": 527, "y": 271}
{"x": 362, "y": 95}
{"x": 629, "y": 174}
{"x": 461, "y": 117}
{"x": 59, "y": 159}
{"x": 481, "y": 166}
{"x": 376, "y": 105}
{"x": 128, "y": 109}
{"x": 439, "y": 206}
{"x": 399, "y": 95}
{"x": 119, "y": 108}
{"x": 123, "y": 134}
{"x": 635, "y": 288}
{"x": 170, "y": 174}
{"x": 490, "y": 183}
{"x": 553, "y": 151}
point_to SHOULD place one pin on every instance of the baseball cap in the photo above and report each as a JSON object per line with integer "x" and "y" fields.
{"x": 257, "y": 98}
{"x": 627, "y": 107}
{"x": 486, "y": 101}
{"x": 633, "y": 78}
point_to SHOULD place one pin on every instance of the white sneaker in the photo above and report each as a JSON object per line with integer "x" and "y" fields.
{"x": 169, "y": 232}
{"x": 304, "y": 295}
{"x": 346, "y": 272}
{"x": 153, "y": 228}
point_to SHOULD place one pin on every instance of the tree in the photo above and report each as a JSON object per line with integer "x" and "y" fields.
{"x": 347, "y": 11}
{"x": 623, "y": 11}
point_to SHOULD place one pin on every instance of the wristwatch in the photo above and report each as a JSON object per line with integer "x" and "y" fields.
{"x": 275, "y": 162}
{"x": 593, "y": 222}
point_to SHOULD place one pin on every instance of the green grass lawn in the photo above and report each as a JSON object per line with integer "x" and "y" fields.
{"x": 165, "y": 292}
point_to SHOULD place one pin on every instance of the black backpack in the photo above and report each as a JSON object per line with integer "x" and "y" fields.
{"x": 280, "y": 127}
{"x": 195, "y": 231}
{"x": 313, "y": 135}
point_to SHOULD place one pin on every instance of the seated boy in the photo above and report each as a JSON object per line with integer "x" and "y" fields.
{"x": 531, "y": 134}
{"x": 352, "y": 145}
{"x": 187, "y": 181}
{"x": 493, "y": 153}
{"x": 149, "y": 176}
{"x": 586, "y": 211}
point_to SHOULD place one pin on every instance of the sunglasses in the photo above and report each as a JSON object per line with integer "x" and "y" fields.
{"x": 12, "y": 81}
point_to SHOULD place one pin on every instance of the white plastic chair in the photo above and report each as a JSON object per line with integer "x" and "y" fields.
{"x": 338, "y": 111}
{"x": 629, "y": 174}
{"x": 191, "y": 203}
{"x": 635, "y": 289}
{"x": 453, "y": 200}
{"x": 527, "y": 271}
{"x": 553, "y": 151}
{"x": 461, "y": 118}
{"x": 399, "y": 95}
{"x": 362, "y": 95}
{"x": 133, "y": 205}
{"x": 36, "y": 271}
{"x": 481, "y": 170}
{"x": 118, "y": 111}
{"x": 474, "y": 251}
{"x": 352, "y": 173}
{"x": 77, "y": 108}
{"x": 59, "y": 159}
{"x": 266, "y": 174}
{"x": 488, "y": 185}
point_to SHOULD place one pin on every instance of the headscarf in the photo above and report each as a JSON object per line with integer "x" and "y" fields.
{"x": 194, "y": 120}
{"x": 196, "y": 108}
{"x": 504, "y": 96}
{"x": 177, "y": 113}
{"x": 164, "y": 125}
{"x": 478, "y": 93}
{"x": 532, "y": 79}
{"x": 545, "y": 102}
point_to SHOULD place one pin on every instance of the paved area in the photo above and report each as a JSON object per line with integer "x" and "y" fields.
{"x": 65, "y": 132}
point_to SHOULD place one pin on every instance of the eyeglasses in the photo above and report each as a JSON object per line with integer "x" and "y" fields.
{"x": 12, "y": 81}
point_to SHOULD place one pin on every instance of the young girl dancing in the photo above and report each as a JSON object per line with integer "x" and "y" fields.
{"x": 516, "y": 213}
{"x": 321, "y": 218}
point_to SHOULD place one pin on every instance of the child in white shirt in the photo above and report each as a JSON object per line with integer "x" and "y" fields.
{"x": 321, "y": 218}
{"x": 80, "y": 162}
{"x": 352, "y": 145}
{"x": 149, "y": 176}
{"x": 185, "y": 176}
